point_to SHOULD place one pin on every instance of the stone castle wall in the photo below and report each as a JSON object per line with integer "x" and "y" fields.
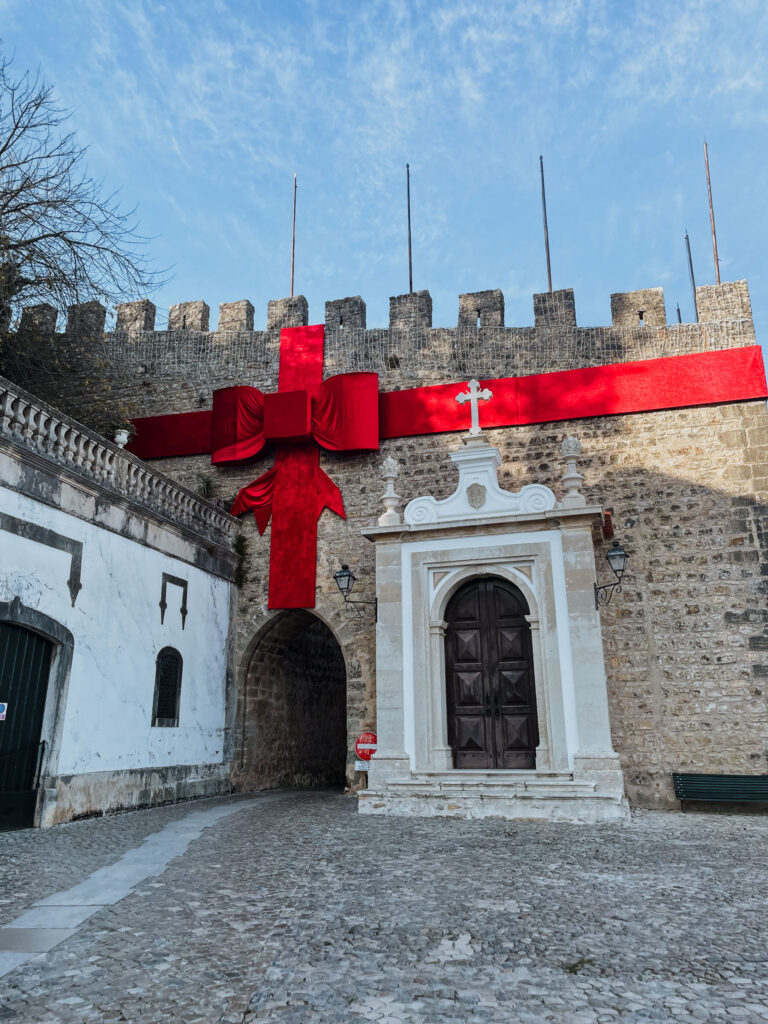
{"x": 686, "y": 640}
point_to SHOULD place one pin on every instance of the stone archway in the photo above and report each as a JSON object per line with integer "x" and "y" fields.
{"x": 294, "y": 727}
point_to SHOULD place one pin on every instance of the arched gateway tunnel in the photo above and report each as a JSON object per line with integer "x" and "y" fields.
{"x": 293, "y": 721}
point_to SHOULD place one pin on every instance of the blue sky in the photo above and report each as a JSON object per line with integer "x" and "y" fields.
{"x": 200, "y": 112}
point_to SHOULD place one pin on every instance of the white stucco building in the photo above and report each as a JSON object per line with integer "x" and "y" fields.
{"x": 116, "y": 599}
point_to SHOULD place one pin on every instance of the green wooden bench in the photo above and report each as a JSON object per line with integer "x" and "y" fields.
{"x": 731, "y": 788}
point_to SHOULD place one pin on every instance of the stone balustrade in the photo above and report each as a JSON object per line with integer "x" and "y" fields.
{"x": 29, "y": 421}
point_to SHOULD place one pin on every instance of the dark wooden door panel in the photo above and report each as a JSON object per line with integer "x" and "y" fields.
{"x": 489, "y": 677}
{"x": 468, "y": 645}
{"x": 25, "y": 660}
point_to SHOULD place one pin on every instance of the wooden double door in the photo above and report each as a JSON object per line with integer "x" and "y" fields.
{"x": 25, "y": 662}
{"x": 491, "y": 696}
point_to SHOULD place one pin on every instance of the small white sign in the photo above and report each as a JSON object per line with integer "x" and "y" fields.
{"x": 3, "y": 710}
{"x": 362, "y": 766}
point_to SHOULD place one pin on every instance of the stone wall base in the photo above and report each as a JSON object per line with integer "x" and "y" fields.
{"x": 67, "y": 797}
{"x": 515, "y": 796}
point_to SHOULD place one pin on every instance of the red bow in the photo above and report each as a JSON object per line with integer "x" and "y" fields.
{"x": 342, "y": 415}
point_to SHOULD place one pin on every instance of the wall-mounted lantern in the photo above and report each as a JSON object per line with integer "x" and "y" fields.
{"x": 617, "y": 558}
{"x": 345, "y": 580}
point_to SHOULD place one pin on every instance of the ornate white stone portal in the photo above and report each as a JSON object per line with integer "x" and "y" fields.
{"x": 543, "y": 548}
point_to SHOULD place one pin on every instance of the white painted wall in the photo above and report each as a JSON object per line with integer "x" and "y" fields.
{"x": 117, "y": 631}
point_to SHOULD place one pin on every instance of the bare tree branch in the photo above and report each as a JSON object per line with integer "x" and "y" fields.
{"x": 62, "y": 238}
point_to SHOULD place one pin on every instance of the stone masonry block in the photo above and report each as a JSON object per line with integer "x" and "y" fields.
{"x": 135, "y": 317}
{"x": 86, "y": 319}
{"x": 290, "y": 312}
{"x": 39, "y": 319}
{"x": 414, "y": 309}
{"x": 645, "y": 306}
{"x": 236, "y": 316}
{"x": 554, "y": 308}
{"x": 482, "y": 309}
{"x": 349, "y": 312}
{"x": 726, "y": 301}
{"x": 189, "y": 316}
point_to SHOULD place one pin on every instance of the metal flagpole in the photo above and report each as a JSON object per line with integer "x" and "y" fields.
{"x": 711, "y": 214}
{"x": 410, "y": 254}
{"x": 293, "y": 233}
{"x": 679, "y": 315}
{"x": 546, "y": 229}
{"x": 690, "y": 271}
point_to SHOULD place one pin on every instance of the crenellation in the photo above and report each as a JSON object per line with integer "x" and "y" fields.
{"x": 40, "y": 319}
{"x": 135, "y": 317}
{"x": 481, "y": 309}
{"x": 554, "y": 309}
{"x": 290, "y": 312}
{"x": 236, "y": 316}
{"x": 345, "y": 313}
{"x": 726, "y": 301}
{"x": 409, "y": 311}
{"x": 189, "y": 316}
{"x": 644, "y": 307}
{"x": 86, "y": 319}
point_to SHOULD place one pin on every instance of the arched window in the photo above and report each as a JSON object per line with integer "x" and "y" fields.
{"x": 165, "y": 710}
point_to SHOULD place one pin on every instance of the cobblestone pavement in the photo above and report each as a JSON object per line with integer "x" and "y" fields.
{"x": 296, "y": 910}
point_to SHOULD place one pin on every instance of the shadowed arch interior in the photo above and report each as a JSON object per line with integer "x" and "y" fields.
{"x": 295, "y": 720}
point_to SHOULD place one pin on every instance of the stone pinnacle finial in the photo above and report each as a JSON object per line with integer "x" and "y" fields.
{"x": 390, "y": 471}
{"x": 572, "y": 479}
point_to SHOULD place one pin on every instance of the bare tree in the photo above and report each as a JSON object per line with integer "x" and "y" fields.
{"x": 63, "y": 239}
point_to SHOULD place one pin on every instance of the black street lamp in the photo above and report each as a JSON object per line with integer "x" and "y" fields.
{"x": 345, "y": 580}
{"x": 617, "y": 558}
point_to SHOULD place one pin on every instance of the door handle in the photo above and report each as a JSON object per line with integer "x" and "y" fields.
{"x": 488, "y": 709}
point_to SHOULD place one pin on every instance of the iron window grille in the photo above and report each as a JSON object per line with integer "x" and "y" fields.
{"x": 165, "y": 711}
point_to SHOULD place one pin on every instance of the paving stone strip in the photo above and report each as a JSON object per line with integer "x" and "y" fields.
{"x": 56, "y": 917}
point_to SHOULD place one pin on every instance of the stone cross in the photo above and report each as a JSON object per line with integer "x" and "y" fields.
{"x": 476, "y": 394}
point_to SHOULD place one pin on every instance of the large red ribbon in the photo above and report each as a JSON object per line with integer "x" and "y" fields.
{"x": 345, "y": 413}
{"x": 340, "y": 414}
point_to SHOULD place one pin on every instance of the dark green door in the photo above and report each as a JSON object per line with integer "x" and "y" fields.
{"x": 25, "y": 661}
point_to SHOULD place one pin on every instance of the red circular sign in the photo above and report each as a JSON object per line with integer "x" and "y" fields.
{"x": 365, "y": 745}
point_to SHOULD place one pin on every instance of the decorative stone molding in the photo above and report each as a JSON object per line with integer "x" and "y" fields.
{"x": 478, "y": 494}
{"x": 27, "y": 421}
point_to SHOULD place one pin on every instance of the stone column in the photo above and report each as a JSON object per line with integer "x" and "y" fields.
{"x": 441, "y": 755}
{"x": 543, "y": 759}
{"x": 390, "y": 760}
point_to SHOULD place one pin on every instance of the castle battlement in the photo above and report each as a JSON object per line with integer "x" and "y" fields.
{"x": 180, "y": 366}
{"x": 411, "y": 311}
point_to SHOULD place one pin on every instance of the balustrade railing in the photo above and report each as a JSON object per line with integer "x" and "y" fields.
{"x": 43, "y": 429}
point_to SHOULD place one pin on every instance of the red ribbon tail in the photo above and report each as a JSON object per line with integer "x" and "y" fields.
{"x": 328, "y": 494}
{"x": 257, "y": 497}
